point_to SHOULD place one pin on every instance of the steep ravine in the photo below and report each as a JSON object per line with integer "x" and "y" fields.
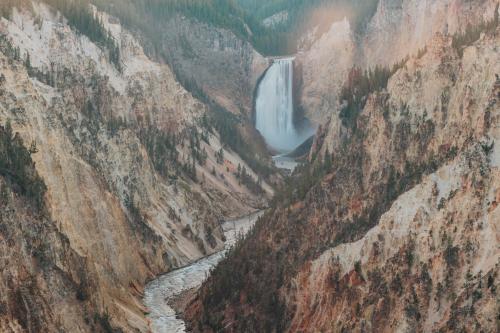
{"x": 159, "y": 293}
{"x": 124, "y": 202}
{"x": 399, "y": 232}
{"x": 113, "y": 174}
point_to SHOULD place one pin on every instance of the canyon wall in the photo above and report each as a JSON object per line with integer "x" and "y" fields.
{"x": 432, "y": 260}
{"x": 403, "y": 27}
{"x": 219, "y": 67}
{"x": 399, "y": 28}
{"x": 324, "y": 69}
{"x": 396, "y": 228}
{"x": 121, "y": 206}
{"x": 218, "y": 62}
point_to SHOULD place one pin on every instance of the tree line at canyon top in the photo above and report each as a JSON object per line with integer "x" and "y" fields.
{"x": 242, "y": 17}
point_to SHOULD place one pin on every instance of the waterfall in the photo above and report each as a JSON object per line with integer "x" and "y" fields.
{"x": 274, "y": 107}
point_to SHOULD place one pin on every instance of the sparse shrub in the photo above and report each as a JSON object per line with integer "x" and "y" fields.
{"x": 186, "y": 231}
{"x": 18, "y": 168}
{"x": 219, "y": 156}
{"x": 488, "y": 148}
{"x": 491, "y": 283}
{"x": 245, "y": 178}
{"x": 397, "y": 285}
{"x": 357, "y": 268}
{"x": 412, "y": 307}
{"x": 360, "y": 84}
{"x": 162, "y": 151}
{"x": 104, "y": 321}
{"x": 472, "y": 33}
{"x": 4, "y": 194}
{"x": 476, "y": 295}
{"x": 409, "y": 254}
{"x": 451, "y": 255}
{"x": 82, "y": 293}
{"x": 426, "y": 278}
{"x": 442, "y": 203}
{"x": 115, "y": 124}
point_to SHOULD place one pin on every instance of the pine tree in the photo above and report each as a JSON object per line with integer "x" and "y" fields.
{"x": 27, "y": 62}
{"x": 327, "y": 162}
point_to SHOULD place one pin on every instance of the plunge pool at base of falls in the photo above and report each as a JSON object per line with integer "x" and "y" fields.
{"x": 285, "y": 162}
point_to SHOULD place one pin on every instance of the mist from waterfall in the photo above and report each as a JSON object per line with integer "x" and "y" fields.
{"x": 274, "y": 108}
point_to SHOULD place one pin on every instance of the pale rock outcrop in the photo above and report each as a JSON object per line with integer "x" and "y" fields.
{"x": 401, "y": 28}
{"x": 439, "y": 240}
{"x": 125, "y": 221}
{"x": 324, "y": 68}
{"x": 398, "y": 29}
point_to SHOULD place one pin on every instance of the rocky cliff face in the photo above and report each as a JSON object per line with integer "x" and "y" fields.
{"x": 120, "y": 203}
{"x": 425, "y": 266}
{"x": 324, "y": 70}
{"x": 402, "y": 27}
{"x": 218, "y": 67}
{"x": 45, "y": 284}
{"x": 399, "y": 231}
{"x": 223, "y": 66}
{"x": 399, "y": 28}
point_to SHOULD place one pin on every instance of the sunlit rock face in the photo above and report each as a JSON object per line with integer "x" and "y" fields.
{"x": 113, "y": 219}
{"x": 274, "y": 108}
{"x": 397, "y": 29}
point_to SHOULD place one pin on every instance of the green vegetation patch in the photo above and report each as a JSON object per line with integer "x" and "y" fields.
{"x": 17, "y": 167}
{"x": 473, "y": 33}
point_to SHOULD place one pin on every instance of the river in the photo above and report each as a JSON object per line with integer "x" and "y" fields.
{"x": 159, "y": 292}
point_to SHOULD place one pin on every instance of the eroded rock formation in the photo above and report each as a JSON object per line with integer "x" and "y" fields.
{"x": 399, "y": 232}
{"x": 120, "y": 205}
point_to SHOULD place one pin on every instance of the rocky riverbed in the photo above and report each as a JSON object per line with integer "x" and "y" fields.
{"x": 161, "y": 292}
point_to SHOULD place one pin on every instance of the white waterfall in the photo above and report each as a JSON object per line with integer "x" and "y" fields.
{"x": 274, "y": 107}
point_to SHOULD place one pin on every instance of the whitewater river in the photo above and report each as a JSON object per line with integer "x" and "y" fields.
{"x": 160, "y": 291}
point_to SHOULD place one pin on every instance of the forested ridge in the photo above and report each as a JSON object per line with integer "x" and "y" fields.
{"x": 146, "y": 17}
{"x": 243, "y": 17}
{"x": 283, "y": 37}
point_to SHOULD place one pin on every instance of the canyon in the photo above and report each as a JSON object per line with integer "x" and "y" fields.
{"x": 394, "y": 226}
{"x": 168, "y": 176}
{"x": 117, "y": 210}
{"x": 162, "y": 291}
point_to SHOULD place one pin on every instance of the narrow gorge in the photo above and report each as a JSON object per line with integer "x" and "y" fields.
{"x": 274, "y": 114}
{"x": 160, "y": 294}
{"x": 249, "y": 166}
